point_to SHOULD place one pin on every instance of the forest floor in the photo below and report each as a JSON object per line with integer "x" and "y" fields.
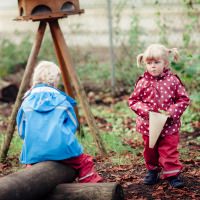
{"x": 130, "y": 176}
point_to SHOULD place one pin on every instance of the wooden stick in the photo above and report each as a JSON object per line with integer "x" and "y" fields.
{"x": 65, "y": 74}
{"x": 23, "y": 87}
{"x": 58, "y": 36}
{"x": 64, "y": 71}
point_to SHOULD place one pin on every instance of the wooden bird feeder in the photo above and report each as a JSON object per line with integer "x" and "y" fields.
{"x": 47, "y": 9}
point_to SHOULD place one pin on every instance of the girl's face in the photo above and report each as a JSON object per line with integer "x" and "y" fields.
{"x": 155, "y": 66}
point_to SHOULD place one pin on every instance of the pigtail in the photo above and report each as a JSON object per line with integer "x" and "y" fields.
{"x": 140, "y": 59}
{"x": 175, "y": 53}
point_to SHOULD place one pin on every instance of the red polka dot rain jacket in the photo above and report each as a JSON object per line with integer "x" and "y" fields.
{"x": 165, "y": 92}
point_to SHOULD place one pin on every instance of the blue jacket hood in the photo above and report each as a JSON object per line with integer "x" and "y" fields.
{"x": 44, "y": 98}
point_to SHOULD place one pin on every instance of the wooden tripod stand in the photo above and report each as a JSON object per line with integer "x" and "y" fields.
{"x": 68, "y": 74}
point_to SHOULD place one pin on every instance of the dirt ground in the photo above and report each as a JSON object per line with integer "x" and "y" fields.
{"x": 131, "y": 177}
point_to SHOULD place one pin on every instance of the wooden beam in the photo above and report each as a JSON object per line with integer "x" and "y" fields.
{"x": 58, "y": 36}
{"x": 23, "y": 87}
{"x": 65, "y": 74}
{"x": 64, "y": 70}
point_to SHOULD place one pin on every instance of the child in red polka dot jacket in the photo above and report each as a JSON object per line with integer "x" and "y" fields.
{"x": 159, "y": 90}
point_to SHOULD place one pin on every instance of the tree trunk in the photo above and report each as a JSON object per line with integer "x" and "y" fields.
{"x": 87, "y": 191}
{"x": 35, "y": 182}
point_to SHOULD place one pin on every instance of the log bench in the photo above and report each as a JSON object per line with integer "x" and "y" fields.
{"x": 53, "y": 181}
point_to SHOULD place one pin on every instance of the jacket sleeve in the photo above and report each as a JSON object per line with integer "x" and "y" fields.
{"x": 72, "y": 117}
{"x": 181, "y": 100}
{"x": 21, "y": 123}
{"x": 70, "y": 121}
{"x": 136, "y": 103}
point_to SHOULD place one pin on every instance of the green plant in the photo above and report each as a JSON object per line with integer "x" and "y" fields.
{"x": 92, "y": 70}
{"x": 16, "y": 144}
{"x": 128, "y": 46}
{"x": 189, "y": 70}
{"x": 127, "y": 70}
{"x": 18, "y": 53}
{"x": 162, "y": 25}
{"x": 192, "y": 21}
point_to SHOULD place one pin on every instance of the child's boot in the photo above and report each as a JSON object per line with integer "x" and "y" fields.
{"x": 176, "y": 182}
{"x": 151, "y": 178}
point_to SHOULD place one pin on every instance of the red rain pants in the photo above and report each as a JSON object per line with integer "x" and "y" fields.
{"x": 85, "y": 167}
{"x": 164, "y": 156}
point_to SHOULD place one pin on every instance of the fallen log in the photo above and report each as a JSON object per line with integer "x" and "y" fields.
{"x": 35, "y": 182}
{"x": 87, "y": 191}
{"x": 9, "y": 85}
{"x": 8, "y": 91}
{"x": 47, "y": 181}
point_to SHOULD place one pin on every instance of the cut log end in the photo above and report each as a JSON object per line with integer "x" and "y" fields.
{"x": 87, "y": 191}
{"x": 8, "y": 91}
{"x": 118, "y": 193}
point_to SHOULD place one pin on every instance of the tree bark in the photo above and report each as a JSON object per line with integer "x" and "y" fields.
{"x": 87, "y": 191}
{"x": 47, "y": 181}
{"x": 35, "y": 182}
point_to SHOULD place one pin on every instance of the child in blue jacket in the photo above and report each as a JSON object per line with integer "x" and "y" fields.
{"x": 47, "y": 124}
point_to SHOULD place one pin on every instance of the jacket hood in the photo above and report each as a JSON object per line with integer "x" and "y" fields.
{"x": 44, "y": 98}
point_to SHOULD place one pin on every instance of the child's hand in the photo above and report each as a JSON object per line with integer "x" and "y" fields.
{"x": 164, "y": 112}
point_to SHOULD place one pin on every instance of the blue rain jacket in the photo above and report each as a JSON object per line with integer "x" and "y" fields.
{"x": 47, "y": 124}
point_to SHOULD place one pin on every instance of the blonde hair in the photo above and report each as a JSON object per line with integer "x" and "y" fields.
{"x": 46, "y": 72}
{"x": 157, "y": 51}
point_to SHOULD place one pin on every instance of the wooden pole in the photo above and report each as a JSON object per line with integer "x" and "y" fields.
{"x": 66, "y": 78}
{"x": 60, "y": 41}
{"x": 23, "y": 87}
{"x": 87, "y": 191}
{"x": 111, "y": 48}
{"x": 35, "y": 182}
{"x": 64, "y": 71}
